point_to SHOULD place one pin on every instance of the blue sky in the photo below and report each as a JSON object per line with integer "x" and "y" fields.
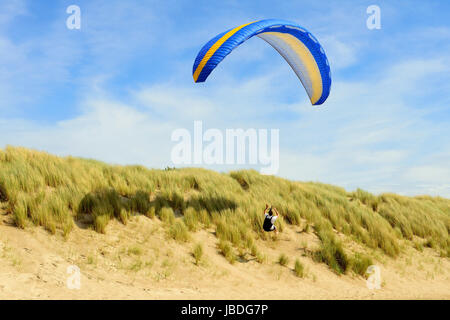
{"x": 117, "y": 88}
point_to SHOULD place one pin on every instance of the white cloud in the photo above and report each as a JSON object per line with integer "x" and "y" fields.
{"x": 435, "y": 174}
{"x": 175, "y": 104}
{"x": 10, "y": 10}
{"x": 106, "y": 130}
{"x": 340, "y": 54}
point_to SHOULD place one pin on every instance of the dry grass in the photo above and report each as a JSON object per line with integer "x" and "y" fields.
{"x": 299, "y": 269}
{"x": 227, "y": 251}
{"x": 197, "y": 253}
{"x": 283, "y": 260}
{"x": 55, "y": 193}
{"x": 179, "y": 231}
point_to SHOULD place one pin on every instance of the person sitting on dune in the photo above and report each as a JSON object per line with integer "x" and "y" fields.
{"x": 269, "y": 219}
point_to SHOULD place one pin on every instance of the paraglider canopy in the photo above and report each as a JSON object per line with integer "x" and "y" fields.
{"x": 297, "y": 46}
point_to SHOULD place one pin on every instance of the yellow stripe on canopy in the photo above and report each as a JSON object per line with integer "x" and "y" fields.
{"x": 307, "y": 59}
{"x": 214, "y": 48}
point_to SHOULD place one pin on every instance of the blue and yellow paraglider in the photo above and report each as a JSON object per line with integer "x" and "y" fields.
{"x": 297, "y": 46}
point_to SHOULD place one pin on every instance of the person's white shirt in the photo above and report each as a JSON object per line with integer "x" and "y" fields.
{"x": 274, "y": 218}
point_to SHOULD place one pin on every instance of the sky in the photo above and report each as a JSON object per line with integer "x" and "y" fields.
{"x": 117, "y": 88}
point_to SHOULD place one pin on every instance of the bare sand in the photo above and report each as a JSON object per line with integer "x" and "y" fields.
{"x": 139, "y": 261}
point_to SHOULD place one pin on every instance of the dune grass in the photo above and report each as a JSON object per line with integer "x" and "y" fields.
{"x": 179, "y": 231}
{"x": 197, "y": 253}
{"x": 283, "y": 259}
{"x": 299, "y": 269}
{"x": 55, "y": 193}
{"x": 226, "y": 250}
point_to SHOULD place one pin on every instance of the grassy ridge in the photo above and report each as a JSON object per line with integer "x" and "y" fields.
{"x": 53, "y": 192}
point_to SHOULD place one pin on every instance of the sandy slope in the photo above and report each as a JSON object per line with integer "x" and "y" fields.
{"x": 137, "y": 261}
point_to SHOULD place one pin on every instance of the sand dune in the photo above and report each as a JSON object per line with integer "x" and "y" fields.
{"x": 138, "y": 261}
